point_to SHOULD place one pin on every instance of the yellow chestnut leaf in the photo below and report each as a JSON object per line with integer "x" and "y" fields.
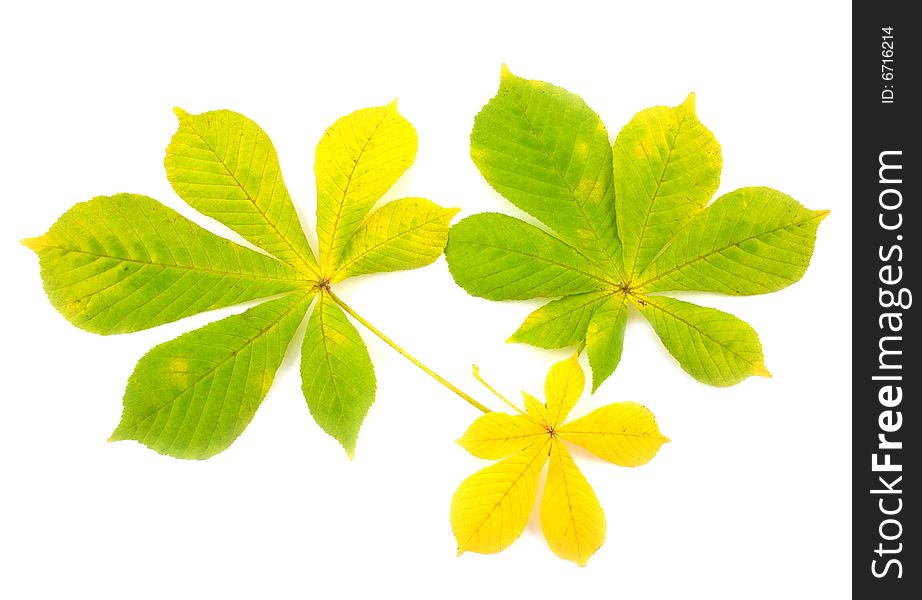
{"x": 490, "y": 509}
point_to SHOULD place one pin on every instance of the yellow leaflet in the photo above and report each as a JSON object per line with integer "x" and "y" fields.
{"x": 571, "y": 516}
{"x": 497, "y": 435}
{"x": 491, "y": 507}
{"x": 564, "y": 386}
{"x": 537, "y": 411}
{"x": 624, "y": 433}
{"x": 358, "y": 159}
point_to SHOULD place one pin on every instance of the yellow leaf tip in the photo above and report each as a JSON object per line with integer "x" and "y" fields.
{"x": 121, "y": 433}
{"x": 350, "y": 450}
{"x": 180, "y": 113}
{"x": 822, "y": 214}
{"x": 575, "y": 558}
{"x": 34, "y": 244}
{"x": 506, "y": 76}
{"x": 392, "y": 105}
{"x": 760, "y": 370}
{"x": 689, "y": 103}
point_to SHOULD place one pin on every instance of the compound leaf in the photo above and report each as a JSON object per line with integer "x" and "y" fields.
{"x": 193, "y": 396}
{"x": 224, "y": 166}
{"x": 711, "y": 345}
{"x": 358, "y": 159}
{"x": 639, "y": 225}
{"x": 337, "y": 376}
{"x": 124, "y": 263}
{"x": 490, "y": 508}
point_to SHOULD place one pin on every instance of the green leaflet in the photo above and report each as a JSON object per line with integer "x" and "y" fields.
{"x": 548, "y": 153}
{"x": 667, "y": 167}
{"x": 191, "y": 397}
{"x": 624, "y": 223}
{"x": 337, "y": 376}
{"x": 605, "y": 338}
{"x": 224, "y": 166}
{"x": 560, "y": 323}
{"x": 711, "y": 345}
{"x": 126, "y": 262}
{"x": 403, "y": 234}
{"x": 501, "y": 258}
{"x": 751, "y": 241}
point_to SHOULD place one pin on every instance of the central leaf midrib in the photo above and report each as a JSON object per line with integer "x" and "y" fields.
{"x": 514, "y": 437}
{"x": 178, "y": 266}
{"x": 563, "y": 431}
{"x": 326, "y": 357}
{"x": 563, "y": 475}
{"x": 553, "y": 262}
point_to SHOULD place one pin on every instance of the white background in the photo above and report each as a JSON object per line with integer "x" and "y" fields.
{"x": 750, "y": 500}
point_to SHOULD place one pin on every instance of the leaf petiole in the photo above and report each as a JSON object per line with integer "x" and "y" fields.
{"x": 404, "y": 353}
{"x": 476, "y": 371}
